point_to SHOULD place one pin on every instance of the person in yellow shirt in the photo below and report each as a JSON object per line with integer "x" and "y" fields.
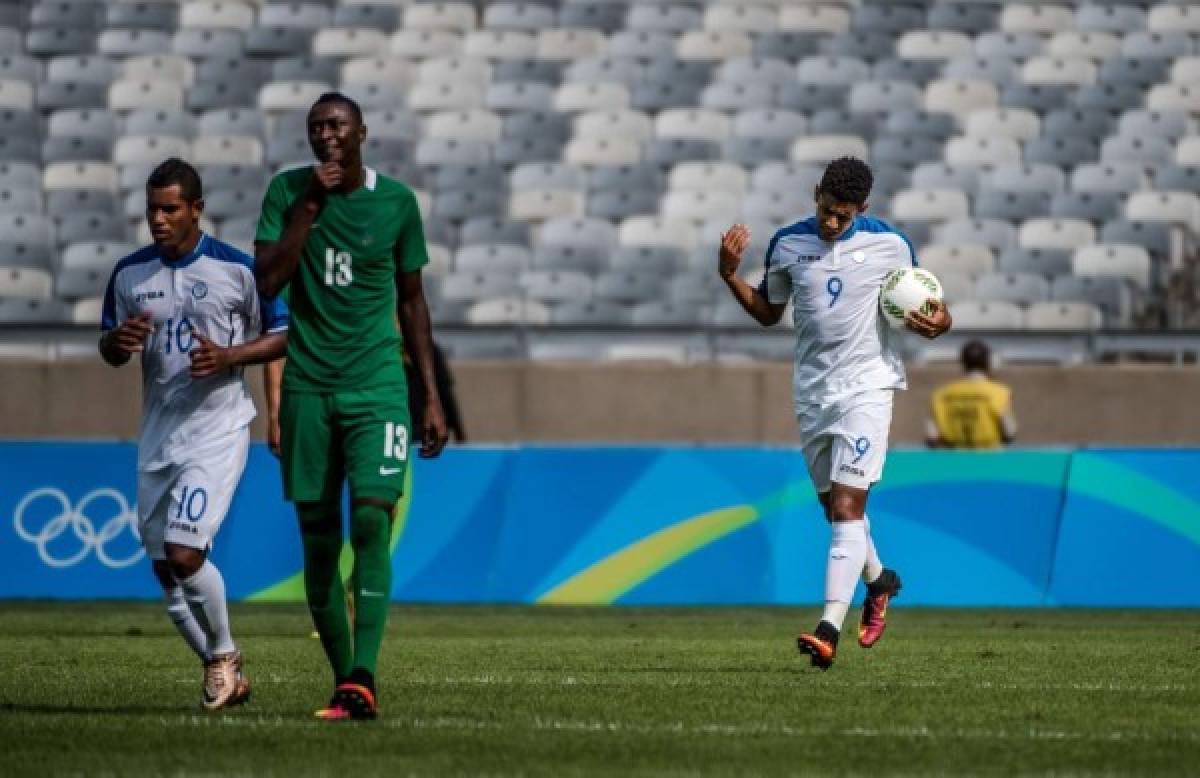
{"x": 974, "y": 412}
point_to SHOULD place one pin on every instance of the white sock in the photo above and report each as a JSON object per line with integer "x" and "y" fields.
{"x": 847, "y": 553}
{"x": 205, "y": 593}
{"x": 185, "y": 622}
{"x": 873, "y": 567}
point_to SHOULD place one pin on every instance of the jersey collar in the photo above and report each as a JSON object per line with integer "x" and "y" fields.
{"x": 189, "y": 257}
{"x": 851, "y": 231}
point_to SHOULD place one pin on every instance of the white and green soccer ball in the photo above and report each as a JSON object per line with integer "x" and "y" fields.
{"x": 906, "y": 290}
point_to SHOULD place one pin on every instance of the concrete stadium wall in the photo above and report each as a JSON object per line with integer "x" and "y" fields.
{"x": 506, "y": 402}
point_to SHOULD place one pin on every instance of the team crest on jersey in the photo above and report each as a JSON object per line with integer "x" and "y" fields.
{"x": 199, "y": 290}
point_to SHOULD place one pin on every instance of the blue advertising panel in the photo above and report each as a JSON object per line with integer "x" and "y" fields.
{"x": 650, "y": 525}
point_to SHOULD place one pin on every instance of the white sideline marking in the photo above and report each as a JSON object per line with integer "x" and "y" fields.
{"x": 613, "y": 726}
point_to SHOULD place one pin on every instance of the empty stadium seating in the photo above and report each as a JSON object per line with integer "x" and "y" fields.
{"x": 577, "y": 159}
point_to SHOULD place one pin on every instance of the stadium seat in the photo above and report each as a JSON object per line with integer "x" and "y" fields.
{"x": 519, "y": 96}
{"x": 1024, "y": 178}
{"x": 1016, "y": 123}
{"x": 1114, "y": 259}
{"x": 375, "y": 16}
{"x": 25, "y": 254}
{"x": 594, "y": 233}
{"x": 1064, "y": 316}
{"x": 1042, "y": 98}
{"x": 741, "y": 18}
{"x": 1155, "y": 237}
{"x": 564, "y": 45}
{"x": 819, "y": 149}
{"x": 25, "y": 283}
{"x": 713, "y": 45}
{"x": 1044, "y": 262}
{"x": 102, "y": 255}
{"x": 1122, "y": 178}
{"x": 149, "y": 148}
{"x": 1013, "y": 206}
{"x": 665, "y": 313}
{"x": 1073, "y": 71}
{"x": 16, "y": 94}
{"x": 959, "y": 98}
{"x": 628, "y": 286}
{"x": 1084, "y": 44}
{"x": 982, "y": 151}
{"x": 452, "y": 16}
{"x": 882, "y": 96}
{"x": 1180, "y": 208}
{"x": 468, "y": 287}
{"x": 216, "y": 14}
{"x": 933, "y": 44}
{"x": 1038, "y": 19}
{"x": 1182, "y": 178}
{"x": 618, "y": 205}
{"x": 973, "y": 259}
{"x": 633, "y": 125}
{"x": 1019, "y": 288}
{"x": 1056, "y": 233}
{"x": 50, "y": 41}
{"x": 199, "y": 43}
{"x": 1113, "y": 296}
{"x": 1157, "y": 45}
{"x": 556, "y": 285}
{"x": 1142, "y": 150}
{"x": 699, "y": 206}
{"x": 158, "y": 121}
{"x": 993, "y": 233}
{"x": 543, "y": 204}
{"x": 589, "y": 313}
{"x": 1063, "y": 152}
{"x": 634, "y": 45}
{"x": 281, "y": 96}
{"x": 616, "y": 151}
{"x": 1096, "y": 207}
{"x": 814, "y": 18}
{"x": 508, "y": 310}
{"x": 347, "y": 42}
{"x": 80, "y": 175}
{"x": 975, "y": 315}
{"x": 131, "y": 43}
{"x": 20, "y": 310}
{"x": 67, "y": 148}
{"x": 567, "y": 257}
{"x": 492, "y": 258}
{"x": 1018, "y": 46}
{"x": 925, "y": 205}
{"x": 487, "y": 229}
{"x": 656, "y": 231}
{"x": 500, "y": 45}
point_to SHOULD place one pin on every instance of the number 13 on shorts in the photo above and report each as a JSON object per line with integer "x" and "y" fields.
{"x": 395, "y": 441}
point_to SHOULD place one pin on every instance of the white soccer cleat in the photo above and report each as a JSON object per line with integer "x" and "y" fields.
{"x": 224, "y": 684}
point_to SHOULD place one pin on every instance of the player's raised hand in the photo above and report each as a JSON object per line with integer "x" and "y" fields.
{"x": 208, "y": 358}
{"x": 130, "y": 336}
{"x": 930, "y": 325}
{"x": 327, "y": 176}
{"x": 434, "y": 432}
{"x": 733, "y": 243}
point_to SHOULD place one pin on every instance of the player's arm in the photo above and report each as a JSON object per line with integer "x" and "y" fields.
{"x": 729, "y": 258}
{"x": 273, "y": 390}
{"x": 413, "y": 312}
{"x": 208, "y": 358}
{"x": 275, "y": 262}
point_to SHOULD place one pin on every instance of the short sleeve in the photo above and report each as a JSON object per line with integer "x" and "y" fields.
{"x": 410, "y": 244}
{"x": 776, "y": 285}
{"x": 274, "y": 313}
{"x": 274, "y": 208}
{"x": 114, "y": 311}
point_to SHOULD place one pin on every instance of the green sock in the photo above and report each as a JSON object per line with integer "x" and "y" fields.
{"x": 370, "y": 529}
{"x": 321, "y": 532}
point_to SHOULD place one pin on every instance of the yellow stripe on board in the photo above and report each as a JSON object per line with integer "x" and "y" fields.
{"x": 603, "y": 582}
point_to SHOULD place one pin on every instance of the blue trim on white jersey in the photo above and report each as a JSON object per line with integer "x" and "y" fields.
{"x": 873, "y": 225}
{"x": 273, "y": 311}
{"x": 108, "y": 312}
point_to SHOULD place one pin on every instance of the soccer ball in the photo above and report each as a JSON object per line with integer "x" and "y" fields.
{"x": 906, "y": 290}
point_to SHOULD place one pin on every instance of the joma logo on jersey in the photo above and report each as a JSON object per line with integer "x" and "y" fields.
{"x": 810, "y": 257}
{"x": 156, "y": 294}
{"x": 858, "y": 471}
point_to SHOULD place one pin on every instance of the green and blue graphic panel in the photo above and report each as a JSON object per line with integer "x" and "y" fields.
{"x": 651, "y": 525}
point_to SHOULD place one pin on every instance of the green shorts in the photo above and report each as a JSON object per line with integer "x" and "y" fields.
{"x": 328, "y": 437}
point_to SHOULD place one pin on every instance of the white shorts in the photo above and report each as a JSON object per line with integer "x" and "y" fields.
{"x": 185, "y": 503}
{"x": 846, "y": 441}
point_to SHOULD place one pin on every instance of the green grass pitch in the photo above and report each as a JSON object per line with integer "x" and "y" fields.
{"x": 109, "y": 688}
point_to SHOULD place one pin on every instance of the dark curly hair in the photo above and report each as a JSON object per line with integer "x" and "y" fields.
{"x": 175, "y": 171}
{"x": 847, "y": 180}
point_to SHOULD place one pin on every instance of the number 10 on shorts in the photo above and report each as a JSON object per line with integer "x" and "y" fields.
{"x": 395, "y": 441}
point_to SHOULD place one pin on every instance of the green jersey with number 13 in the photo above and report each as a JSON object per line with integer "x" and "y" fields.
{"x": 343, "y": 296}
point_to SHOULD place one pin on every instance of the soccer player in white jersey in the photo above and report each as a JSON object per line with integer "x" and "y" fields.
{"x": 189, "y": 306}
{"x": 830, "y": 268}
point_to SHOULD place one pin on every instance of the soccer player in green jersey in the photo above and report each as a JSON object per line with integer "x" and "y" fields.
{"x": 349, "y": 246}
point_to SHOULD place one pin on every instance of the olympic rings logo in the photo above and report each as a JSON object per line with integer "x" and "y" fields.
{"x": 75, "y": 520}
